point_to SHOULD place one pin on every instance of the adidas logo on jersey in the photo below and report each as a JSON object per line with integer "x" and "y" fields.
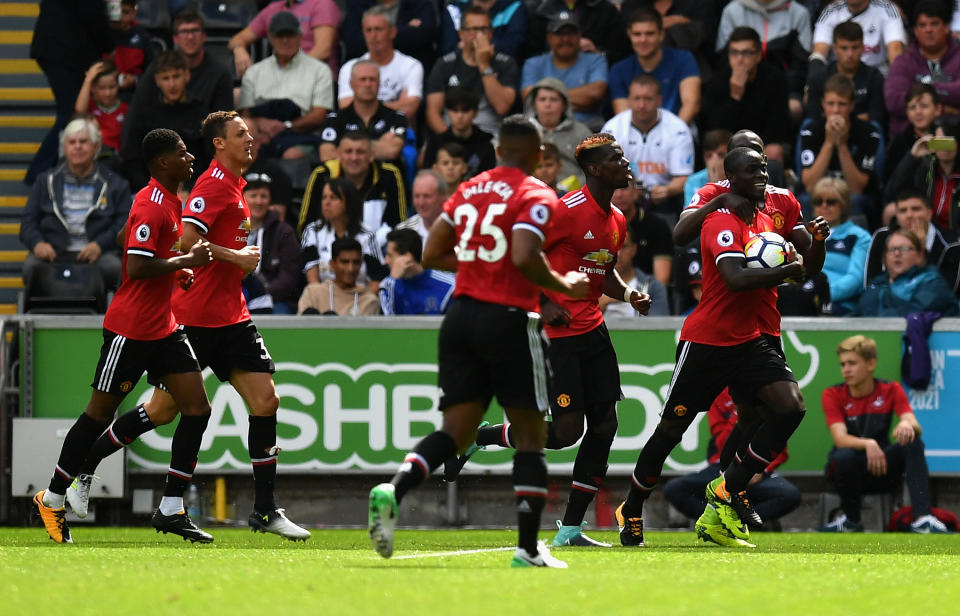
{"x": 588, "y": 235}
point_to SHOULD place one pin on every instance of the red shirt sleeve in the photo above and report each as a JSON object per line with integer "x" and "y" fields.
{"x": 832, "y": 408}
{"x": 143, "y": 231}
{"x": 202, "y": 209}
{"x": 901, "y": 404}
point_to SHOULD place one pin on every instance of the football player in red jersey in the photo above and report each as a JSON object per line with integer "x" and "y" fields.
{"x": 589, "y": 232}
{"x": 139, "y": 331}
{"x": 215, "y": 318}
{"x": 721, "y": 345}
{"x": 491, "y": 340}
{"x": 787, "y": 218}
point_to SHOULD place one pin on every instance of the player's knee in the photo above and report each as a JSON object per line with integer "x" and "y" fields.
{"x": 606, "y": 428}
{"x": 266, "y": 405}
{"x": 161, "y": 414}
{"x": 672, "y": 428}
{"x": 567, "y": 433}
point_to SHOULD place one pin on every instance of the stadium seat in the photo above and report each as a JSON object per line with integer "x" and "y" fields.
{"x": 61, "y": 288}
{"x": 227, "y": 14}
{"x": 153, "y": 14}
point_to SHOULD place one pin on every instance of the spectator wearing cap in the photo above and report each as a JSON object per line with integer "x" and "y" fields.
{"x": 320, "y": 20}
{"x": 416, "y": 22}
{"x": 478, "y": 66}
{"x": 288, "y": 94}
{"x": 583, "y": 73}
{"x": 387, "y": 127}
{"x": 401, "y": 76}
{"x": 601, "y": 26}
{"x": 548, "y": 105}
{"x": 509, "y": 18}
{"x": 429, "y": 193}
{"x": 279, "y": 267}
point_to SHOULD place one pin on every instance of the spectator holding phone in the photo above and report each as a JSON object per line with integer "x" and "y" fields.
{"x": 932, "y": 167}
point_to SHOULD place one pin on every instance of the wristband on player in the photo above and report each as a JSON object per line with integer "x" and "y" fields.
{"x": 817, "y": 56}
{"x": 628, "y": 293}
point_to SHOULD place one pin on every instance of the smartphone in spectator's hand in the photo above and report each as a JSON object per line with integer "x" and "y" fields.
{"x": 942, "y": 144}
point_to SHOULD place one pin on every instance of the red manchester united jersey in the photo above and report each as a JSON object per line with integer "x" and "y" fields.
{"x": 140, "y": 310}
{"x": 484, "y": 211}
{"x": 724, "y": 317}
{"x": 216, "y": 206}
{"x": 585, "y": 239}
{"x": 785, "y": 216}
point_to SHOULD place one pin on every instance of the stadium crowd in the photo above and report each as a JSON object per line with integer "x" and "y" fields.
{"x": 367, "y": 114}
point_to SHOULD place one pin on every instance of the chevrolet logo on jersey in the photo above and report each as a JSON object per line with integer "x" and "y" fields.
{"x": 600, "y": 257}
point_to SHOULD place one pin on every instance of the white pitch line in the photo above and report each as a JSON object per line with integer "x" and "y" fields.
{"x": 457, "y": 553}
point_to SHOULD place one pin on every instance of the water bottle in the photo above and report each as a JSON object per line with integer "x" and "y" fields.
{"x": 193, "y": 502}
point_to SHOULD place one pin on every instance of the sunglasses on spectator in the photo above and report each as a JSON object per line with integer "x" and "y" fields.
{"x": 899, "y": 250}
{"x": 824, "y": 201}
{"x": 262, "y": 178}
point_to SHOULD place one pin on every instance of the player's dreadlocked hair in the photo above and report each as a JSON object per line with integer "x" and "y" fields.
{"x": 214, "y": 126}
{"x": 157, "y": 142}
{"x": 586, "y": 150}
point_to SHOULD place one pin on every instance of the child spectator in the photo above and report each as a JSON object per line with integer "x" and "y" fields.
{"x": 99, "y": 97}
{"x": 714, "y": 150}
{"x": 451, "y": 164}
{"x": 340, "y": 296}
{"x": 549, "y": 168}
{"x": 173, "y": 109}
{"x": 411, "y": 289}
{"x": 133, "y": 49}
{"x": 923, "y": 107}
{"x": 461, "y": 106}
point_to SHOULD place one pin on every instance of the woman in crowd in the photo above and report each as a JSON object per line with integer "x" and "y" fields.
{"x": 847, "y": 246}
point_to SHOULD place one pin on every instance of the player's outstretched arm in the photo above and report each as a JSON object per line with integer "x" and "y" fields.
{"x": 691, "y": 220}
{"x": 738, "y": 277}
{"x": 139, "y": 266}
{"x": 529, "y": 259}
{"x": 245, "y": 258}
{"x": 615, "y": 287}
{"x": 439, "y": 251}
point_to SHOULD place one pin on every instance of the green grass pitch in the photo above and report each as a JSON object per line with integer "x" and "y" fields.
{"x": 134, "y": 571}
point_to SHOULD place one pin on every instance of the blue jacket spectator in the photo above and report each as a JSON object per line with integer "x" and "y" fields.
{"x": 508, "y": 18}
{"x": 410, "y": 289}
{"x": 847, "y": 246}
{"x": 908, "y": 285}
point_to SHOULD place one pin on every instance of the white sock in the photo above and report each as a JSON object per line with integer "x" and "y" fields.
{"x": 52, "y": 500}
{"x": 171, "y": 505}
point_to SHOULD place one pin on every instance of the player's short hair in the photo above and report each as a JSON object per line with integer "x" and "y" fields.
{"x": 859, "y": 344}
{"x": 441, "y": 183}
{"x": 459, "y": 97}
{"x": 911, "y": 192}
{"x": 379, "y": 10}
{"x": 107, "y": 69}
{"x": 345, "y": 244}
{"x": 215, "y": 126}
{"x": 550, "y": 151}
{"x": 169, "y": 60}
{"x": 187, "y": 16}
{"x": 933, "y": 8}
{"x": 356, "y": 135}
{"x": 715, "y": 138}
{"x": 837, "y": 186}
{"x": 454, "y": 150}
{"x": 848, "y": 31}
{"x": 588, "y": 150}
{"x": 518, "y": 127}
{"x": 82, "y": 124}
{"x": 745, "y": 138}
{"x": 158, "y": 142}
{"x": 407, "y": 241}
{"x": 735, "y": 158}
{"x": 745, "y": 33}
{"x": 644, "y": 79}
{"x": 132, "y": 3}
{"x": 839, "y": 84}
{"x": 918, "y": 89}
{"x": 645, "y": 15}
